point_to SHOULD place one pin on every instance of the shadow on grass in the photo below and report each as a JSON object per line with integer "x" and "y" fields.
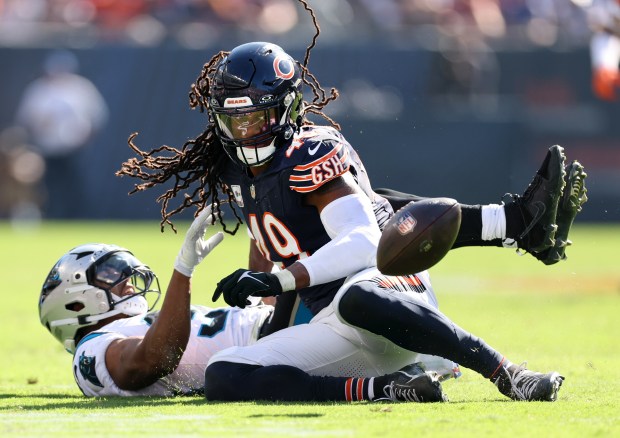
{"x": 285, "y": 415}
{"x": 45, "y": 402}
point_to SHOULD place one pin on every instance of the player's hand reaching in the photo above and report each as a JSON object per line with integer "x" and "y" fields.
{"x": 195, "y": 247}
{"x": 238, "y": 286}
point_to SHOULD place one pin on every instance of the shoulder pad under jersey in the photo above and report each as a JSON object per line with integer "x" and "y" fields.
{"x": 320, "y": 155}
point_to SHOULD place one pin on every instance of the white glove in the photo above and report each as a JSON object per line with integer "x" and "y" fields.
{"x": 195, "y": 248}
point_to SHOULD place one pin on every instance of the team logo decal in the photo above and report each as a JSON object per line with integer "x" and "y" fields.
{"x": 87, "y": 369}
{"x": 405, "y": 224}
{"x": 236, "y": 102}
{"x": 283, "y": 67}
{"x": 237, "y": 194}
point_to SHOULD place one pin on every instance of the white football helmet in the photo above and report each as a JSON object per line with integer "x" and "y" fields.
{"x": 77, "y": 291}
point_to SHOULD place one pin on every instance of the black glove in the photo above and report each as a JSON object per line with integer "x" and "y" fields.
{"x": 242, "y": 283}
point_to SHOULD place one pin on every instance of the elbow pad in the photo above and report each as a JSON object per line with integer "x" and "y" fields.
{"x": 352, "y": 226}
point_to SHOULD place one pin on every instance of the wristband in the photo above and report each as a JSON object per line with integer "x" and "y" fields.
{"x": 286, "y": 279}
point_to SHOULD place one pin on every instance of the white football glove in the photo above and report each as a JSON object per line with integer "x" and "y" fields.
{"x": 195, "y": 248}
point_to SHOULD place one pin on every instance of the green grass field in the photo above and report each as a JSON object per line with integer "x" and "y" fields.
{"x": 561, "y": 317}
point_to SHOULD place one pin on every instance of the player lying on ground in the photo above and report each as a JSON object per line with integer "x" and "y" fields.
{"x": 93, "y": 301}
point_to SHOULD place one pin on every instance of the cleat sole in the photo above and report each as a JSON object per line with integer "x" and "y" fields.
{"x": 568, "y": 208}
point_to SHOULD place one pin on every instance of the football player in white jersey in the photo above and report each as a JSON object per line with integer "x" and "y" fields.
{"x": 604, "y": 18}
{"x": 94, "y": 302}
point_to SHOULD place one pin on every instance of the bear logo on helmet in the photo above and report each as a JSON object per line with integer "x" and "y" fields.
{"x": 283, "y": 67}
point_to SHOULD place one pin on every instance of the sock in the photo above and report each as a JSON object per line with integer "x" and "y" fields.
{"x": 493, "y": 222}
{"x": 515, "y": 222}
{"x": 357, "y": 389}
{"x": 504, "y": 363}
{"x": 494, "y": 225}
{"x": 376, "y": 385}
{"x": 471, "y": 228}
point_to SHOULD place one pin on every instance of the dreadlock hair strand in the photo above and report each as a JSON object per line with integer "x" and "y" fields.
{"x": 197, "y": 163}
{"x": 196, "y": 168}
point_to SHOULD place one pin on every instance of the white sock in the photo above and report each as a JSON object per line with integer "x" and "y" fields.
{"x": 493, "y": 222}
{"x": 371, "y": 388}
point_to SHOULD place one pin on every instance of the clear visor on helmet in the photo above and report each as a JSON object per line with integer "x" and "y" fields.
{"x": 109, "y": 271}
{"x": 244, "y": 126}
{"x": 119, "y": 271}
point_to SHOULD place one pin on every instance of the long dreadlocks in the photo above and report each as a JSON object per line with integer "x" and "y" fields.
{"x": 197, "y": 167}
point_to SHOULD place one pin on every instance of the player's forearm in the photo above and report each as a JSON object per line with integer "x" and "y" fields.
{"x": 137, "y": 362}
{"x": 166, "y": 340}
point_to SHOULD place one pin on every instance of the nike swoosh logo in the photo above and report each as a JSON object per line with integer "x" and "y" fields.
{"x": 313, "y": 150}
{"x": 247, "y": 274}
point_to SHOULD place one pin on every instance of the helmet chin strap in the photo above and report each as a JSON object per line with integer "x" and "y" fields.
{"x": 256, "y": 156}
{"x": 136, "y": 305}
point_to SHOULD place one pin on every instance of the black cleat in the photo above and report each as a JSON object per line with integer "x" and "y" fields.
{"x": 519, "y": 383}
{"x": 570, "y": 204}
{"x": 538, "y": 206}
{"x": 413, "y": 384}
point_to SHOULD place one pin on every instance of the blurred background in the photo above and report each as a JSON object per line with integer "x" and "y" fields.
{"x": 458, "y": 98}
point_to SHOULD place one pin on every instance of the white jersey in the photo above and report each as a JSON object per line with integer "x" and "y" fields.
{"x": 212, "y": 330}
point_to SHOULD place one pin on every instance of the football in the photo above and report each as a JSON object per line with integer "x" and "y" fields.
{"x": 418, "y": 236}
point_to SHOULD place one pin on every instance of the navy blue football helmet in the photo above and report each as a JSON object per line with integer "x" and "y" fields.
{"x": 255, "y": 101}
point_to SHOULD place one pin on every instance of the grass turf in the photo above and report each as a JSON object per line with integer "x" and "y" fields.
{"x": 560, "y": 317}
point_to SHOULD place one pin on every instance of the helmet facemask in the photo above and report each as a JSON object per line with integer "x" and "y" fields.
{"x": 92, "y": 283}
{"x": 111, "y": 274}
{"x": 251, "y": 134}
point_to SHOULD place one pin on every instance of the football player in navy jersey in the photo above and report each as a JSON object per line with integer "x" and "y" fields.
{"x": 311, "y": 211}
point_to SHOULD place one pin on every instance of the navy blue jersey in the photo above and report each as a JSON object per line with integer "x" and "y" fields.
{"x": 284, "y": 227}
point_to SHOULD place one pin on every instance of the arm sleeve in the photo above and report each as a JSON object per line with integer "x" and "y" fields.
{"x": 352, "y": 226}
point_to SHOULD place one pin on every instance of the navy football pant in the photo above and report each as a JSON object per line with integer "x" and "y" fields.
{"x": 228, "y": 381}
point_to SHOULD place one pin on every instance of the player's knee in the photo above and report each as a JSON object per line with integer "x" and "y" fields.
{"x": 223, "y": 381}
{"x": 353, "y": 306}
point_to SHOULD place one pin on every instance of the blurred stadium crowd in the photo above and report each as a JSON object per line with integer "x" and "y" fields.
{"x": 192, "y": 23}
{"x": 470, "y": 77}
